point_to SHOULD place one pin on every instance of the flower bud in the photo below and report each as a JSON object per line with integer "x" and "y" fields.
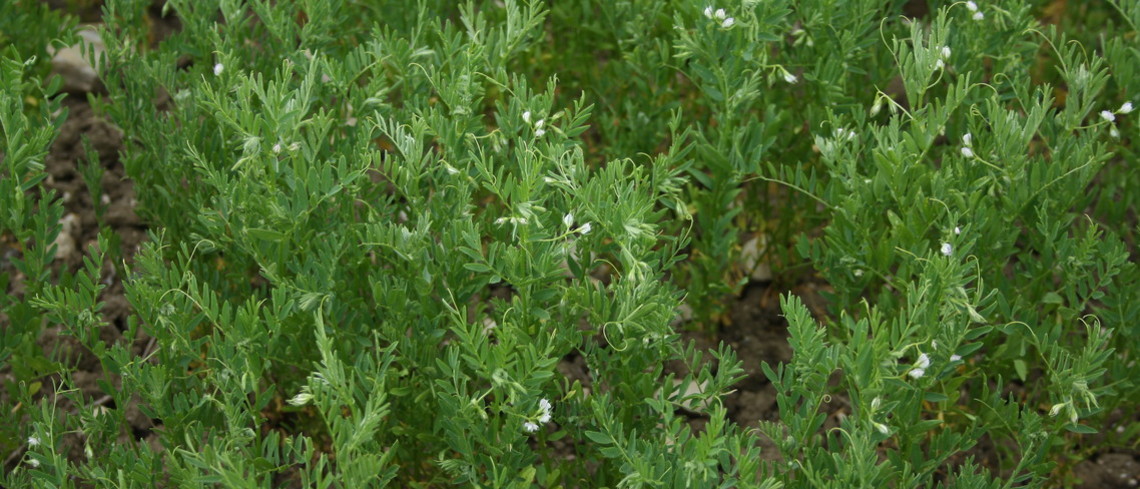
{"x": 301, "y": 399}
{"x": 882, "y": 428}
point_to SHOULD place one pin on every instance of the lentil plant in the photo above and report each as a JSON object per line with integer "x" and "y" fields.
{"x": 436, "y": 243}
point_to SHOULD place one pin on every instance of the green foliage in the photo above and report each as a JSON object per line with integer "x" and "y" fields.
{"x": 377, "y": 229}
{"x": 29, "y": 117}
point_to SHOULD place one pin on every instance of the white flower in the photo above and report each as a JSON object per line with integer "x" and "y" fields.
{"x": 301, "y": 399}
{"x": 790, "y": 78}
{"x": 882, "y": 428}
{"x": 934, "y": 344}
{"x": 530, "y": 427}
{"x": 544, "y": 404}
{"x": 709, "y": 12}
{"x": 955, "y": 358}
{"x": 947, "y": 249}
{"x": 923, "y": 361}
{"x": 538, "y": 124}
{"x": 945, "y": 51}
{"x": 875, "y": 403}
{"x": 277, "y": 148}
{"x": 967, "y": 152}
{"x": 1114, "y": 132}
{"x": 526, "y": 117}
{"x": 720, "y": 14}
{"x": 957, "y": 230}
{"x": 968, "y": 139}
{"x": 539, "y": 132}
{"x": 544, "y": 418}
{"x": 972, "y": 6}
{"x": 218, "y": 68}
{"x": 33, "y": 441}
{"x": 938, "y": 65}
{"x": 585, "y": 228}
{"x": 1124, "y": 109}
{"x": 1056, "y": 409}
{"x": 916, "y": 373}
{"x": 33, "y": 462}
{"x": 1108, "y": 116}
{"x": 979, "y": 16}
{"x": 858, "y": 272}
{"x": 728, "y": 22}
{"x": 568, "y": 220}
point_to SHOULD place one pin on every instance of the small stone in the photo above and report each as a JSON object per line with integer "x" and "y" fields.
{"x": 750, "y": 255}
{"x": 65, "y": 248}
{"x": 71, "y": 64}
{"x": 690, "y": 389}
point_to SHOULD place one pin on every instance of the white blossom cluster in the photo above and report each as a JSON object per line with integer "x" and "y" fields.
{"x": 919, "y": 366}
{"x": 1110, "y": 117}
{"x": 720, "y": 16}
{"x": 967, "y": 143}
{"x": 539, "y": 130}
{"x": 568, "y": 220}
{"x": 973, "y": 7}
{"x": 544, "y": 408}
{"x": 943, "y": 56}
